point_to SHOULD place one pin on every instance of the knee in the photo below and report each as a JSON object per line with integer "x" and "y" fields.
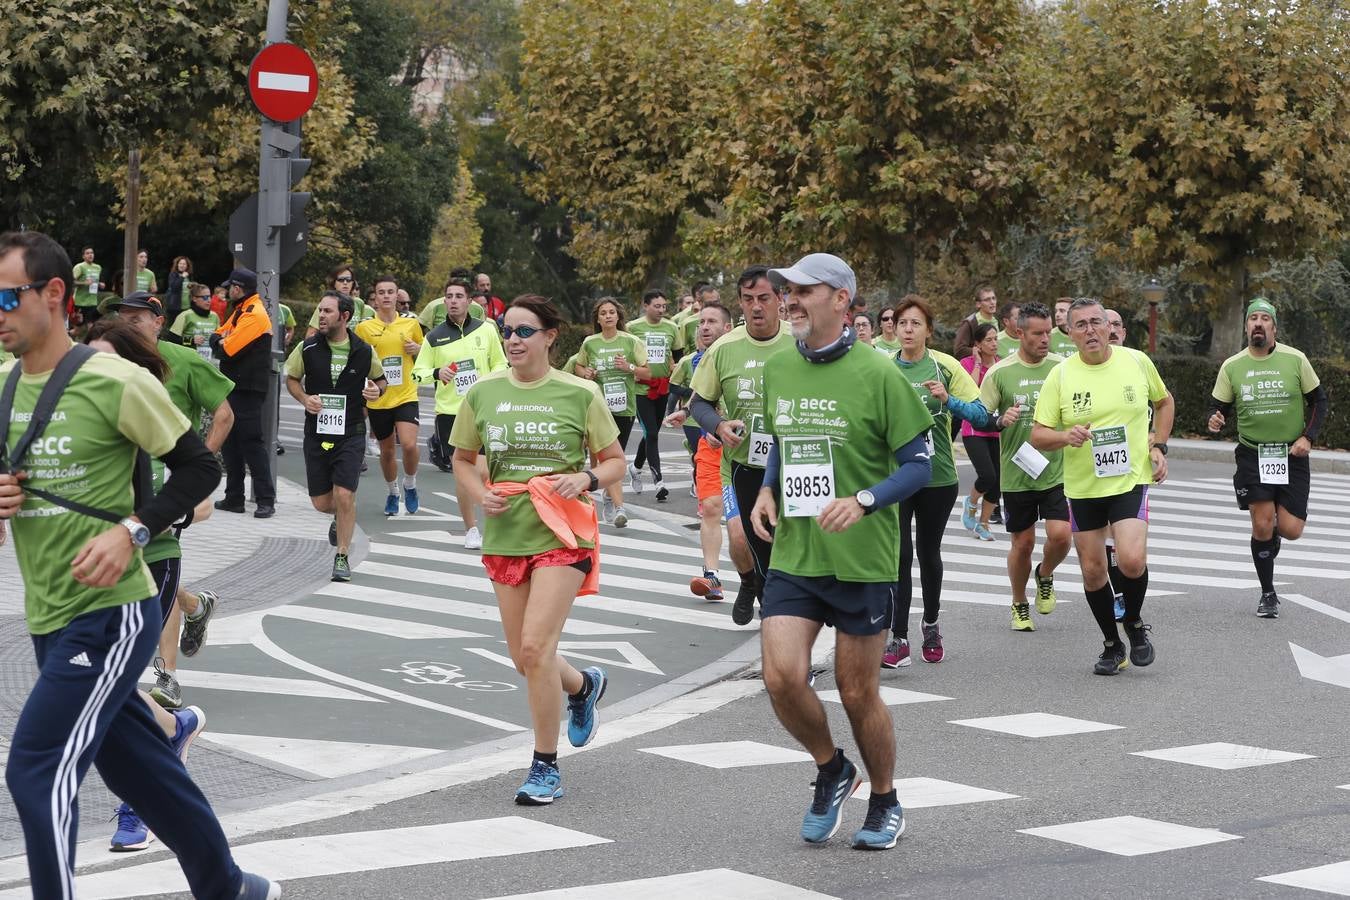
{"x": 1291, "y": 529}
{"x": 534, "y": 655}
{"x": 1131, "y": 563}
{"x": 854, "y": 695}
{"x": 782, "y": 679}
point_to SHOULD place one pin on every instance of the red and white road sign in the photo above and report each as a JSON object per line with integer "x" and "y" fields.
{"x": 283, "y": 82}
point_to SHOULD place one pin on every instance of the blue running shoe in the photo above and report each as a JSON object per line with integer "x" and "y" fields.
{"x": 1120, "y": 608}
{"x": 881, "y": 829}
{"x": 256, "y": 887}
{"x": 970, "y": 515}
{"x": 131, "y": 832}
{"x": 542, "y": 786}
{"x": 822, "y": 819}
{"x": 190, "y": 721}
{"x": 581, "y": 719}
{"x": 410, "y": 499}
{"x": 391, "y": 505}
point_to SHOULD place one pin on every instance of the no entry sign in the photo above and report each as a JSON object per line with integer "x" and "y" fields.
{"x": 283, "y": 82}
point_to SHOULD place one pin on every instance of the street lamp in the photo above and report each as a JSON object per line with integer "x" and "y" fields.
{"x": 1153, "y": 292}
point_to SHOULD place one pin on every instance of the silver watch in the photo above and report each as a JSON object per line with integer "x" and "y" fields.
{"x": 865, "y": 499}
{"x": 140, "y": 535}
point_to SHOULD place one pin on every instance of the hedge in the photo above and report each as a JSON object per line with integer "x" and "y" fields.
{"x": 1191, "y": 381}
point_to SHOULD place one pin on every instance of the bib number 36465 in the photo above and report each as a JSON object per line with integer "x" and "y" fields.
{"x": 1273, "y": 463}
{"x": 808, "y": 476}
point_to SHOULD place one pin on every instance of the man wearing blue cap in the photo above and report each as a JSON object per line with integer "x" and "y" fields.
{"x": 1266, "y": 385}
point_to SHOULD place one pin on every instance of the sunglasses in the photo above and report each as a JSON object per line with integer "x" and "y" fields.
{"x": 9, "y": 297}
{"x": 343, "y": 278}
{"x": 521, "y": 331}
{"x": 888, "y": 318}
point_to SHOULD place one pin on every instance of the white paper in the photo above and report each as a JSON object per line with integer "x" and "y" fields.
{"x": 1030, "y": 460}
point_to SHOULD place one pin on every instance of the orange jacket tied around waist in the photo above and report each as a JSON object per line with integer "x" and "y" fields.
{"x": 567, "y": 519}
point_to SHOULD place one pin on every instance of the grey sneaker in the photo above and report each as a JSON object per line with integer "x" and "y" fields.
{"x": 620, "y": 518}
{"x": 194, "y": 630}
{"x": 607, "y": 508}
{"x": 635, "y": 475}
{"x": 342, "y": 570}
{"x": 166, "y": 691}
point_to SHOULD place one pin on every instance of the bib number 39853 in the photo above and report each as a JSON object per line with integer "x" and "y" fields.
{"x": 1110, "y": 452}
{"x": 333, "y": 414}
{"x": 1273, "y": 462}
{"x": 808, "y": 476}
{"x": 760, "y": 442}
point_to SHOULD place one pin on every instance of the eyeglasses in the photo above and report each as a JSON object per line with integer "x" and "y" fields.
{"x": 888, "y": 318}
{"x": 521, "y": 331}
{"x": 343, "y": 278}
{"x": 9, "y": 297}
{"x": 1085, "y": 324}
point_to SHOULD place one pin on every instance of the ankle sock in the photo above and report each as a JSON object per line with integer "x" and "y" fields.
{"x": 884, "y": 800}
{"x": 550, "y": 758}
{"x": 835, "y": 765}
{"x": 393, "y": 486}
{"x": 585, "y": 688}
{"x": 410, "y": 482}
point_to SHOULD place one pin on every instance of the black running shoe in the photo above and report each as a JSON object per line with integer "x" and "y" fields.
{"x": 1141, "y": 648}
{"x": 743, "y": 610}
{"x": 1269, "y": 607}
{"x": 332, "y": 533}
{"x": 662, "y": 495}
{"x": 194, "y": 630}
{"x": 1112, "y": 659}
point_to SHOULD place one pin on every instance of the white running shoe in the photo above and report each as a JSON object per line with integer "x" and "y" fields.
{"x": 473, "y": 540}
{"x": 620, "y": 518}
{"x": 639, "y": 482}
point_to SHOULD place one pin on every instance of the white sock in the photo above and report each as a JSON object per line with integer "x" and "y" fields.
{"x": 410, "y": 482}
{"x": 393, "y": 486}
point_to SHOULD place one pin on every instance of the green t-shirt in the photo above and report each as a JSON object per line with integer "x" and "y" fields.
{"x": 684, "y": 370}
{"x": 87, "y": 453}
{"x": 616, "y": 387}
{"x": 191, "y": 324}
{"x": 360, "y": 312}
{"x": 887, "y": 347}
{"x": 1012, "y": 382}
{"x": 86, "y": 292}
{"x": 847, "y": 417}
{"x": 295, "y": 363}
{"x": 687, "y": 322}
{"x": 1268, "y": 393}
{"x": 543, "y": 427}
{"x": 434, "y": 313}
{"x": 144, "y": 279}
{"x": 662, "y": 340}
{"x": 1061, "y": 344}
{"x": 732, "y": 371}
{"x": 195, "y": 387}
{"x": 1009, "y": 345}
{"x": 1109, "y": 397}
{"x": 570, "y": 367}
{"x": 287, "y": 317}
{"x": 937, "y": 366}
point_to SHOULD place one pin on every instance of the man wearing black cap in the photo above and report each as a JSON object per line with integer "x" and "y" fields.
{"x": 244, "y": 347}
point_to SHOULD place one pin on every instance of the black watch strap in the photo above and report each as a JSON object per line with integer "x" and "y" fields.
{"x": 1161, "y": 448}
{"x": 595, "y": 482}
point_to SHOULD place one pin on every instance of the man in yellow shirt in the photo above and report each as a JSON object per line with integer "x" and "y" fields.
{"x": 396, "y": 341}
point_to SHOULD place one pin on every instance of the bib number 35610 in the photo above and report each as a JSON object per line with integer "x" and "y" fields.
{"x": 1273, "y": 463}
{"x": 808, "y": 476}
{"x": 1110, "y": 452}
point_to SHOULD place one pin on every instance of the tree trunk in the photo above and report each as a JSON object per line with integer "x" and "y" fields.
{"x": 662, "y": 246}
{"x": 901, "y": 257}
{"x": 132, "y": 229}
{"x": 1227, "y": 320}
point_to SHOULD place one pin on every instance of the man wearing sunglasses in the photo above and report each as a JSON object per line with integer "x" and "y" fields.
{"x": 89, "y": 600}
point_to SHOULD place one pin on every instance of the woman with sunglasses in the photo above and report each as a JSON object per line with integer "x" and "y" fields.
{"x": 540, "y": 534}
{"x": 888, "y": 341}
{"x": 343, "y": 280}
{"x": 614, "y": 359}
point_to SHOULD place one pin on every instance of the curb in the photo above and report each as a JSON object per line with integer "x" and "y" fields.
{"x": 1200, "y": 450}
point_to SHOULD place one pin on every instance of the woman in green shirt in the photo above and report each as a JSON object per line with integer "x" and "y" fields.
{"x": 888, "y": 341}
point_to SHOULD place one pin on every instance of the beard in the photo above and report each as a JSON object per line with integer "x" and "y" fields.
{"x": 1258, "y": 340}
{"x": 801, "y": 329}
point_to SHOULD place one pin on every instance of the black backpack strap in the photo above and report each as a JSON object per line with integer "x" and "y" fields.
{"x": 6, "y": 406}
{"x": 46, "y": 405}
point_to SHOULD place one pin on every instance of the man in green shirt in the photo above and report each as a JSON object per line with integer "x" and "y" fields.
{"x": 1009, "y": 335}
{"x": 87, "y": 285}
{"x": 1061, "y": 342}
{"x": 145, "y": 279}
{"x": 1266, "y": 385}
{"x": 434, "y": 313}
{"x": 89, "y": 599}
{"x": 986, "y": 304}
{"x": 662, "y": 339}
{"x": 1032, "y": 483}
{"x": 848, "y": 445}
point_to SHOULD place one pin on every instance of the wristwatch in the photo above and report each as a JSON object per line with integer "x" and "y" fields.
{"x": 595, "y": 482}
{"x": 1161, "y": 448}
{"x": 140, "y": 535}
{"x": 866, "y": 500}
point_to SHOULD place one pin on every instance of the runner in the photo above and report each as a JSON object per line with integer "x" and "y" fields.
{"x": 732, "y": 372}
{"x": 848, "y": 444}
{"x": 493, "y": 306}
{"x": 540, "y": 538}
{"x": 1094, "y": 406}
{"x": 88, "y": 595}
{"x": 333, "y": 375}
{"x": 948, "y": 393}
{"x": 145, "y": 279}
{"x": 614, "y": 359}
{"x": 435, "y": 312}
{"x": 888, "y": 341}
{"x": 1032, "y": 483}
{"x": 195, "y": 324}
{"x": 1115, "y": 336}
{"x": 1009, "y": 336}
{"x": 986, "y": 305}
{"x": 1061, "y": 342}
{"x": 87, "y": 285}
{"x": 662, "y": 339}
{"x": 396, "y": 341}
{"x": 343, "y": 280}
{"x": 862, "y": 327}
{"x": 455, "y": 354}
{"x": 687, "y": 320}
{"x": 1266, "y": 386}
{"x": 982, "y": 447}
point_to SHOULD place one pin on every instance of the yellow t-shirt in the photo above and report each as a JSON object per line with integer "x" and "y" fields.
{"x": 387, "y": 339}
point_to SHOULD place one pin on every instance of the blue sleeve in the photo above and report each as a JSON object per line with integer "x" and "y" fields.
{"x": 771, "y": 466}
{"x": 913, "y": 472}
{"x": 973, "y": 411}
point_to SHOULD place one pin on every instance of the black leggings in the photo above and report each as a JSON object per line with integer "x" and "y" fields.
{"x": 931, "y": 507}
{"x": 625, "y": 424}
{"x": 650, "y": 413}
{"x": 745, "y": 483}
{"x": 983, "y": 453}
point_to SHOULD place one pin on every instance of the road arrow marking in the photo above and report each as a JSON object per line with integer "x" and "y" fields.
{"x": 1326, "y": 669}
{"x": 1317, "y": 606}
{"x": 632, "y": 657}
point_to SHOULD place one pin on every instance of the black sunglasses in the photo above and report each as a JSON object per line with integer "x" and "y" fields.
{"x": 343, "y": 278}
{"x": 9, "y": 297}
{"x": 521, "y": 331}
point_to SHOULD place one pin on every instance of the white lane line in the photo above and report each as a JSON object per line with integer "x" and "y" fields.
{"x": 710, "y": 884}
{"x": 322, "y": 759}
{"x": 262, "y": 684}
{"x": 1317, "y": 606}
{"x": 397, "y": 628}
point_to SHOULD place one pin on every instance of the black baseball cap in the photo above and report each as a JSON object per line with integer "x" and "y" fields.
{"x": 138, "y": 300}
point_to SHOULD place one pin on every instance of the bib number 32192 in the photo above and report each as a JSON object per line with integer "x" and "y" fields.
{"x": 1273, "y": 463}
{"x": 808, "y": 476}
{"x": 1110, "y": 452}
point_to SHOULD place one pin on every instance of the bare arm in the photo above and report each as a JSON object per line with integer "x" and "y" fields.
{"x": 222, "y": 420}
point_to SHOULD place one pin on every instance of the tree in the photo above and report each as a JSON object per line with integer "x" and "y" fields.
{"x": 1208, "y": 135}
{"x": 881, "y": 131}
{"x": 613, "y": 110}
{"x": 457, "y": 241}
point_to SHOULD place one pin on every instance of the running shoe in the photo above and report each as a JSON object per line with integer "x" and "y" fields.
{"x": 1112, "y": 659}
{"x": 473, "y": 539}
{"x": 882, "y": 827}
{"x": 996, "y": 517}
{"x": 693, "y": 492}
{"x": 1045, "y": 593}
{"x": 635, "y": 475}
{"x": 542, "y": 786}
{"x": 1021, "y": 618}
{"x": 332, "y": 533}
{"x": 410, "y": 500}
{"x": 969, "y": 515}
{"x": 620, "y": 519}
{"x": 896, "y": 655}
{"x": 607, "y": 509}
{"x": 189, "y": 724}
{"x": 256, "y": 887}
{"x": 662, "y": 495}
{"x": 827, "y": 806}
{"x": 932, "y": 643}
{"x": 743, "y": 610}
{"x": 342, "y": 569}
{"x": 391, "y": 505}
{"x": 1120, "y": 608}
{"x": 1141, "y": 648}
{"x": 1269, "y": 607}
{"x": 581, "y": 719}
{"x": 982, "y": 532}
{"x": 709, "y": 586}
{"x": 166, "y": 691}
{"x": 194, "y": 630}
{"x": 131, "y": 833}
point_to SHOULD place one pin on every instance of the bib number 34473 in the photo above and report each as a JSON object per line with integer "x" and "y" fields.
{"x": 1273, "y": 463}
{"x": 808, "y": 476}
{"x": 1110, "y": 452}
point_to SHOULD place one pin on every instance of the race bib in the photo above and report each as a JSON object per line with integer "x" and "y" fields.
{"x": 616, "y": 396}
{"x": 204, "y": 351}
{"x": 808, "y": 476}
{"x": 1110, "y": 452}
{"x": 760, "y": 442}
{"x": 1273, "y": 463}
{"x": 93, "y": 285}
{"x": 333, "y": 414}
{"x": 393, "y": 370}
{"x": 928, "y": 442}
{"x": 466, "y": 376}
{"x": 656, "y": 349}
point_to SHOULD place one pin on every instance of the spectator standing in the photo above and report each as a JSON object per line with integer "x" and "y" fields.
{"x": 177, "y": 296}
{"x": 243, "y": 344}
